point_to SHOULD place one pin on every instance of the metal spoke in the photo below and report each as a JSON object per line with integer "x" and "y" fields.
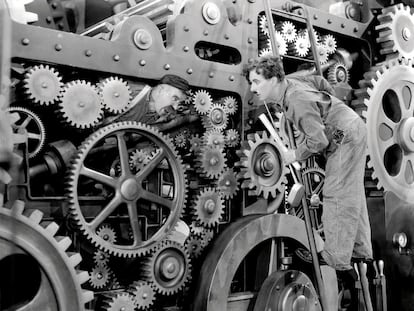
{"x": 136, "y": 229}
{"x": 98, "y": 176}
{"x": 123, "y": 153}
{"x": 152, "y": 197}
{"x": 106, "y": 212}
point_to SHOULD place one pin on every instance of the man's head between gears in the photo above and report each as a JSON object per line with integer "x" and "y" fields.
{"x": 168, "y": 94}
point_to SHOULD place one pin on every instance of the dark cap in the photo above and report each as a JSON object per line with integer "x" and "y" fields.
{"x": 175, "y": 81}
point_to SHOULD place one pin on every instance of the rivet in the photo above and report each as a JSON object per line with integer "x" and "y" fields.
{"x": 49, "y": 19}
{"x": 342, "y": 25}
{"x": 61, "y": 26}
{"x": 186, "y": 48}
{"x": 249, "y": 21}
{"x": 167, "y": 67}
{"x": 88, "y": 53}
{"x": 54, "y": 5}
{"x": 116, "y": 57}
{"x": 142, "y": 62}
{"x": 315, "y": 17}
{"x": 189, "y": 71}
{"x": 186, "y": 28}
{"x": 205, "y": 32}
{"x": 250, "y": 40}
{"x": 250, "y": 60}
{"x": 329, "y": 21}
{"x": 250, "y": 102}
{"x": 252, "y": 1}
{"x": 58, "y": 47}
{"x": 226, "y": 36}
{"x": 355, "y": 29}
{"x": 25, "y": 41}
{"x": 211, "y": 75}
{"x": 231, "y": 78}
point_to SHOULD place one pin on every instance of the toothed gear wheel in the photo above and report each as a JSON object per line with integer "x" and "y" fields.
{"x": 26, "y": 121}
{"x": 43, "y": 85}
{"x": 143, "y": 293}
{"x": 196, "y": 229}
{"x": 265, "y": 52}
{"x": 119, "y": 301}
{"x": 81, "y": 105}
{"x": 202, "y": 101}
{"x": 100, "y": 276}
{"x": 262, "y": 165}
{"x": 115, "y": 95}
{"x": 390, "y": 126}
{"x": 217, "y": 118}
{"x": 322, "y": 53}
{"x": 207, "y": 236}
{"x": 227, "y": 184}
{"x": 107, "y": 233}
{"x": 281, "y": 44}
{"x": 305, "y": 34}
{"x": 26, "y": 238}
{"x": 214, "y": 138}
{"x": 263, "y": 25}
{"x": 101, "y": 258}
{"x": 396, "y": 29}
{"x": 194, "y": 246}
{"x": 196, "y": 143}
{"x": 18, "y": 13}
{"x": 139, "y": 159}
{"x": 329, "y": 42}
{"x": 301, "y": 47}
{"x": 338, "y": 73}
{"x": 128, "y": 195}
{"x": 232, "y": 138}
{"x": 213, "y": 161}
{"x": 180, "y": 140}
{"x": 208, "y": 208}
{"x": 289, "y": 31}
{"x": 168, "y": 269}
{"x": 230, "y": 105}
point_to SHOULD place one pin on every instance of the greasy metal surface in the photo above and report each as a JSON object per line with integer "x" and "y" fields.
{"x": 232, "y": 246}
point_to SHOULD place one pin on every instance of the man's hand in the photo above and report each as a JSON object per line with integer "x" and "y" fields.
{"x": 289, "y": 156}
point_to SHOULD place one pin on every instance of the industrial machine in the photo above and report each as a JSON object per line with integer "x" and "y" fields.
{"x": 191, "y": 213}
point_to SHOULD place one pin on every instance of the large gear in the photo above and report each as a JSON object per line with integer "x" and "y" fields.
{"x": 43, "y": 84}
{"x": 202, "y": 101}
{"x": 216, "y": 118}
{"x": 115, "y": 95}
{"x": 169, "y": 268}
{"x": 100, "y": 276}
{"x": 208, "y": 207}
{"x": 127, "y": 189}
{"x": 390, "y": 124}
{"x": 55, "y": 282}
{"x": 213, "y": 161}
{"x": 396, "y": 29}
{"x": 227, "y": 184}
{"x": 81, "y": 105}
{"x": 119, "y": 301}
{"x": 262, "y": 165}
{"x": 338, "y": 73}
{"x": 26, "y": 121}
{"x": 143, "y": 293}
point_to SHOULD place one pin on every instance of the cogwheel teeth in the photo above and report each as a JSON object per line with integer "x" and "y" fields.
{"x": 202, "y": 101}
{"x": 209, "y": 207}
{"x": 115, "y": 95}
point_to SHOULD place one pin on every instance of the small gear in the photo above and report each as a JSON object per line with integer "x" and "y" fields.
{"x": 43, "y": 84}
{"x": 301, "y": 46}
{"x": 207, "y": 236}
{"x": 180, "y": 140}
{"x": 263, "y": 25}
{"x": 196, "y": 229}
{"x": 262, "y": 165}
{"x": 139, "y": 159}
{"x": 281, "y": 44}
{"x": 99, "y": 276}
{"x": 208, "y": 207}
{"x": 213, "y": 161}
{"x": 227, "y": 184}
{"x": 81, "y": 105}
{"x": 232, "y": 138}
{"x": 322, "y": 53}
{"x": 288, "y": 31}
{"x": 168, "y": 269}
{"x": 214, "y": 138}
{"x": 107, "y": 234}
{"x": 216, "y": 118}
{"x": 194, "y": 246}
{"x": 119, "y": 301}
{"x": 395, "y": 30}
{"x": 265, "y": 52}
{"x": 101, "y": 258}
{"x": 196, "y": 143}
{"x": 26, "y": 121}
{"x": 143, "y": 293}
{"x": 329, "y": 42}
{"x": 202, "y": 101}
{"x": 304, "y": 34}
{"x": 115, "y": 95}
{"x": 338, "y": 73}
{"x": 230, "y": 105}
